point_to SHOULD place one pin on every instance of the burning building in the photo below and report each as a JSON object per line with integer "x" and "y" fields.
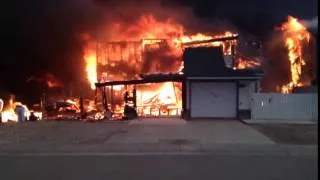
{"x": 146, "y": 66}
{"x": 143, "y": 67}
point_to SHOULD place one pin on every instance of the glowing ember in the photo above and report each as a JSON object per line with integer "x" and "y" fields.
{"x": 245, "y": 64}
{"x": 295, "y": 35}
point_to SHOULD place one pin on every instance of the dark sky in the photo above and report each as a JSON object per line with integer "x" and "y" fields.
{"x": 40, "y": 36}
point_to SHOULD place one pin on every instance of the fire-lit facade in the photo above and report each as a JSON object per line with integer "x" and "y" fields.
{"x": 158, "y": 95}
{"x": 132, "y": 60}
{"x": 138, "y": 53}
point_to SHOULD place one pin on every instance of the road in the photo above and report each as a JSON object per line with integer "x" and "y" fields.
{"x": 198, "y": 166}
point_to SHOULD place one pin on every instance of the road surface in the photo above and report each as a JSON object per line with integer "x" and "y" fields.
{"x": 195, "y": 166}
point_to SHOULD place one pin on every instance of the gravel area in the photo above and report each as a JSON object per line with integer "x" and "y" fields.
{"x": 60, "y": 132}
{"x": 296, "y": 134}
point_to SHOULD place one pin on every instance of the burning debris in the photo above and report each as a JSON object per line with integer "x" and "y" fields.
{"x": 14, "y": 111}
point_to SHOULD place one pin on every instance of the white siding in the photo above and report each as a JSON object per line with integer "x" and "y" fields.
{"x": 277, "y": 106}
{"x": 245, "y": 94}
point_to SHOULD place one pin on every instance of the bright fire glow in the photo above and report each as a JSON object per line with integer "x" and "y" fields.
{"x": 151, "y": 33}
{"x": 159, "y": 101}
{"x": 9, "y": 114}
{"x": 90, "y": 58}
{"x": 295, "y": 35}
{"x": 91, "y": 69}
{"x": 146, "y": 46}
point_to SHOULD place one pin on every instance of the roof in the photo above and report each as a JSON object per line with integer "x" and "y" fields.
{"x": 152, "y": 78}
{"x": 209, "y": 62}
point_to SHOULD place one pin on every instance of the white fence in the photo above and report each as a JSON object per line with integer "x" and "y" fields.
{"x": 275, "y": 106}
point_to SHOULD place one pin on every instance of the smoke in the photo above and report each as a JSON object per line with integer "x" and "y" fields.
{"x": 311, "y": 24}
{"x": 114, "y": 13}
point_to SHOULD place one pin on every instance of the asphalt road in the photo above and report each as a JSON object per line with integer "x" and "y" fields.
{"x": 158, "y": 167}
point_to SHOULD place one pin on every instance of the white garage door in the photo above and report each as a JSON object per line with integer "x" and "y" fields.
{"x": 213, "y": 100}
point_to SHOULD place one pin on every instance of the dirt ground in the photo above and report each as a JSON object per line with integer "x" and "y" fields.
{"x": 290, "y": 133}
{"x": 64, "y": 132}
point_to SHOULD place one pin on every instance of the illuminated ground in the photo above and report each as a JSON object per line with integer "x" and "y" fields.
{"x": 165, "y": 131}
{"x": 157, "y": 150}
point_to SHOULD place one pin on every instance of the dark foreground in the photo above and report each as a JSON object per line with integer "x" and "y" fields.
{"x": 162, "y": 167}
{"x": 300, "y": 134}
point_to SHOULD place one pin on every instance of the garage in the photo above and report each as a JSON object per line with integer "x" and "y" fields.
{"x": 213, "y": 100}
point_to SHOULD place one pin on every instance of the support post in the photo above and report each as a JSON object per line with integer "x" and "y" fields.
{"x": 112, "y": 107}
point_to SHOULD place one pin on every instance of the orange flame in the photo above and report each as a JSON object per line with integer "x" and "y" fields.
{"x": 91, "y": 64}
{"x": 295, "y": 34}
{"x": 245, "y": 64}
{"x": 149, "y": 31}
{"x": 124, "y": 57}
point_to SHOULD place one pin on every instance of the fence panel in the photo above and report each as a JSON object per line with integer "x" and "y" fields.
{"x": 277, "y": 106}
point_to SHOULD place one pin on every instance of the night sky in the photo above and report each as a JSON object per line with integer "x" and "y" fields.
{"x": 41, "y": 36}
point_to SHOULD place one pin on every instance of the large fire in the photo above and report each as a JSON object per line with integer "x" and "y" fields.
{"x": 148, "y": 46}
{"x": 295, "y": 36}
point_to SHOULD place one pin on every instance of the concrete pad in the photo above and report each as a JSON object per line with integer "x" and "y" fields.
{"x": 158, "y": 121}
{"x": 215, "y": 131}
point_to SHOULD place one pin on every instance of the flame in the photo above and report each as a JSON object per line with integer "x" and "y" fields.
{"x": 226, "y": 46}
{"x": 159, "y": 100}
{"x": 91, "y": 70}
{"x": 145, "y": 46}
{"x": 90, "y": 58}
{"x": 245, "y": 63}
{"x": 295, "y": 35}
{"x": 9, "y": 114}
{"x": 52, "y": 84}
{"x": 147, "y": 34}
